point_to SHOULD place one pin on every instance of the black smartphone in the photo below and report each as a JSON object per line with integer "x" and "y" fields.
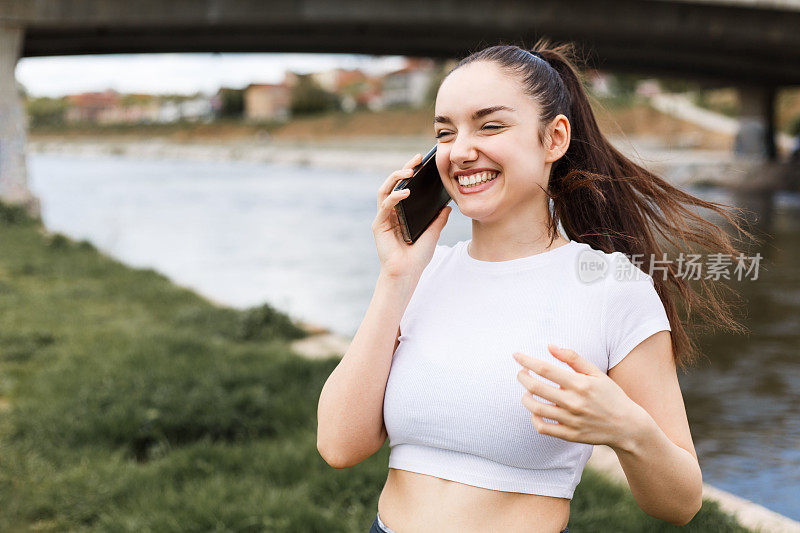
{"x": 425, "y": 201}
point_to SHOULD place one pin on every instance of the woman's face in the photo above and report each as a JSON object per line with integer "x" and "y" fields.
{"x": 471, "y": 136}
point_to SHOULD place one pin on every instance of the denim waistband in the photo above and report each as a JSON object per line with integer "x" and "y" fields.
{"x": 379, "y": 527}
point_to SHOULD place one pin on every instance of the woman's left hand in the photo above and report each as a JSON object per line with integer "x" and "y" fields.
{"x": 589, "y": 406}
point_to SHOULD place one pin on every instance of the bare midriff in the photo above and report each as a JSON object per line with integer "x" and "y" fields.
{"x": 413, "y": 502}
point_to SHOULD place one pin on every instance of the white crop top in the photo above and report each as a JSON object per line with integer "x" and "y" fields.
{"x": 453, "y": 405}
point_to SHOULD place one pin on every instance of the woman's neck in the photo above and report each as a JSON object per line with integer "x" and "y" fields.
{"x": 506, "y": 250}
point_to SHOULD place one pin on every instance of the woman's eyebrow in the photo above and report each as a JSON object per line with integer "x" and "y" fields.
{"x": 476, "y": 115}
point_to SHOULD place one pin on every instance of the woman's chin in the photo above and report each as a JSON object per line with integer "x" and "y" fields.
{"x": 478, "y": 208}
{"x": 479, "y": 213}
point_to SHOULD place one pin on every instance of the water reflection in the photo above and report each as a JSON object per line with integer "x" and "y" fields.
{"x": 743, "y": 401}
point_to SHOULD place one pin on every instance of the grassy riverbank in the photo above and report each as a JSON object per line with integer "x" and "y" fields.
{"x": 128, "y": 403}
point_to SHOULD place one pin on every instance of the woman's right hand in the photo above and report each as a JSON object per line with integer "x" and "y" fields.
{"x": 399, "y": 259}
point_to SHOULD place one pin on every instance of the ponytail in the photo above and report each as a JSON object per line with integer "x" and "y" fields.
{"x": 603, "y": 199}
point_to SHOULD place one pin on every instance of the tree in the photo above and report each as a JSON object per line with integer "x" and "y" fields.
{"x": 231, "y": 102}
{"x": 309, "y": 98}
{"x": 46, "y": 111}
{"x": 440, "y": 73}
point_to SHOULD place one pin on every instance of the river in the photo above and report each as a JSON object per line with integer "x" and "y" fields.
{"x": 244, "y": 233}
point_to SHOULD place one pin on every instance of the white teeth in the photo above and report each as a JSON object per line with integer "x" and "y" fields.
{"x": 473, "y": 179}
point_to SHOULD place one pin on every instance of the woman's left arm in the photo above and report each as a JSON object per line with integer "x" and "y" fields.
{"x": 658, "y": 457}
{"x": 636, "y": 409}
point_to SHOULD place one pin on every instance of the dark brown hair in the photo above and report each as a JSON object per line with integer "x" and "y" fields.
{"x": 607, "y": 201}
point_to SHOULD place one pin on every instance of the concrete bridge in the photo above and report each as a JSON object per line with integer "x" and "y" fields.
{"x": 753, "y": 45}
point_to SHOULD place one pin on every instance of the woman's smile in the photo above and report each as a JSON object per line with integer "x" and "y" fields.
{"x": 472, "y": 189}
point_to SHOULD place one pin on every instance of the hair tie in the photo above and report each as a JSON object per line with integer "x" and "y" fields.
{"x": 536, "y": 55}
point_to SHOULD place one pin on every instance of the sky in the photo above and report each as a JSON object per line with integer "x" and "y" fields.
{"x": 179, "y": 73}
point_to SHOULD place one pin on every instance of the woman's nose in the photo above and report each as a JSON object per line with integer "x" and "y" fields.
{"x": 462, "y": 150}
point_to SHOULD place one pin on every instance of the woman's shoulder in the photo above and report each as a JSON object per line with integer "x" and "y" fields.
{"x": 447, "y": 249}
{"x": 443, "y": 251}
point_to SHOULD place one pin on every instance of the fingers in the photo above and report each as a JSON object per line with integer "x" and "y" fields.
{"x": 560, "y": 376}
{"x": 390, "y": 184}
{"x": 413, "y": 161}
{"x": 541, "y": 389}
{"x": 553, "y": 412}
{"x": 573, "y": 359}
{"x": 397, "y": 175}
{"x": 389, "y": 202}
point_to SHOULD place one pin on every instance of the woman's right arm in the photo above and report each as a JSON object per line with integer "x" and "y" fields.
{"x": 350, "y": 411}
{"x": 350, "y": 424}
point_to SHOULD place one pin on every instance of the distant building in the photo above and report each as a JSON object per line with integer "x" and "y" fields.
{"x": 190, "y": 109}
{"x": 327, "y": 79}
{"x": 196, "y": 109}
{"x": 110, "y": 107}
{"x": 354, "y": 87}
{"x": 372, "y": 97}
{"x": 131, "y": 109}
{"x": 409, "y": 85}
{"x": 264, "y": 101}
{"x": 337, "y": 79}
{"x": 290, "y": 78}
{"x": 169, "y": 112}
{"x": 91, "y": 107}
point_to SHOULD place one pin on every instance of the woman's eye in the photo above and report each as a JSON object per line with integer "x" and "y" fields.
{"x": 489, "y": 126}
{"x": 486, "y": 126}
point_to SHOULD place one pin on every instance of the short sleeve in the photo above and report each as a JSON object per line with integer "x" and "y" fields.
{"x": 632, "y": 310}
{"x": 429, "y": 272}
{"x": 438, "y": 253}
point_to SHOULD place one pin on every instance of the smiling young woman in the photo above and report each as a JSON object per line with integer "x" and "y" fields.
{"x": 460, "y": 342}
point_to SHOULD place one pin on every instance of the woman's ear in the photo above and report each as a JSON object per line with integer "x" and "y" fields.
{"x": 558, "y": 138}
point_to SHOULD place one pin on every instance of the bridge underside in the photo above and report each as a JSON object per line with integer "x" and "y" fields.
{"x": 715, "y": 42}
{"x": 697, "y": 61}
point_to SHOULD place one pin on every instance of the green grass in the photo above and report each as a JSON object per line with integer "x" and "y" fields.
{"x": 130, "y": 404}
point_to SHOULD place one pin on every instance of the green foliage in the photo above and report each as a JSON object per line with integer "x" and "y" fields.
{"x": 46, "y": 111}
{"x": 130, "y": 100}
{"x": 622, "y": 91}
{"x": 231, "y": 102}
{"x": 58, "y": 241}
{"x": 308, "y": 98}
{"x": 23, "y": 345}
{"x": 435, "y": 83}
{"x": 166, "y": 391}
{"x": 86, "y": 245}
{"x": 265, "y": 322}
{"x": 794, "y": 126}
{"x": 679, "y": 85}
{"x": 14, "y": 214}
{"x": 702, "y": 99}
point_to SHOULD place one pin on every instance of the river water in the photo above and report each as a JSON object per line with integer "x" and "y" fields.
{"x": 299, "y": 238}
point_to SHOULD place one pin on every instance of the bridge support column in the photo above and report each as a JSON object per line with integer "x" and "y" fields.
{"x": 756, "y": 136}
{"x": 13, "y": 125}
